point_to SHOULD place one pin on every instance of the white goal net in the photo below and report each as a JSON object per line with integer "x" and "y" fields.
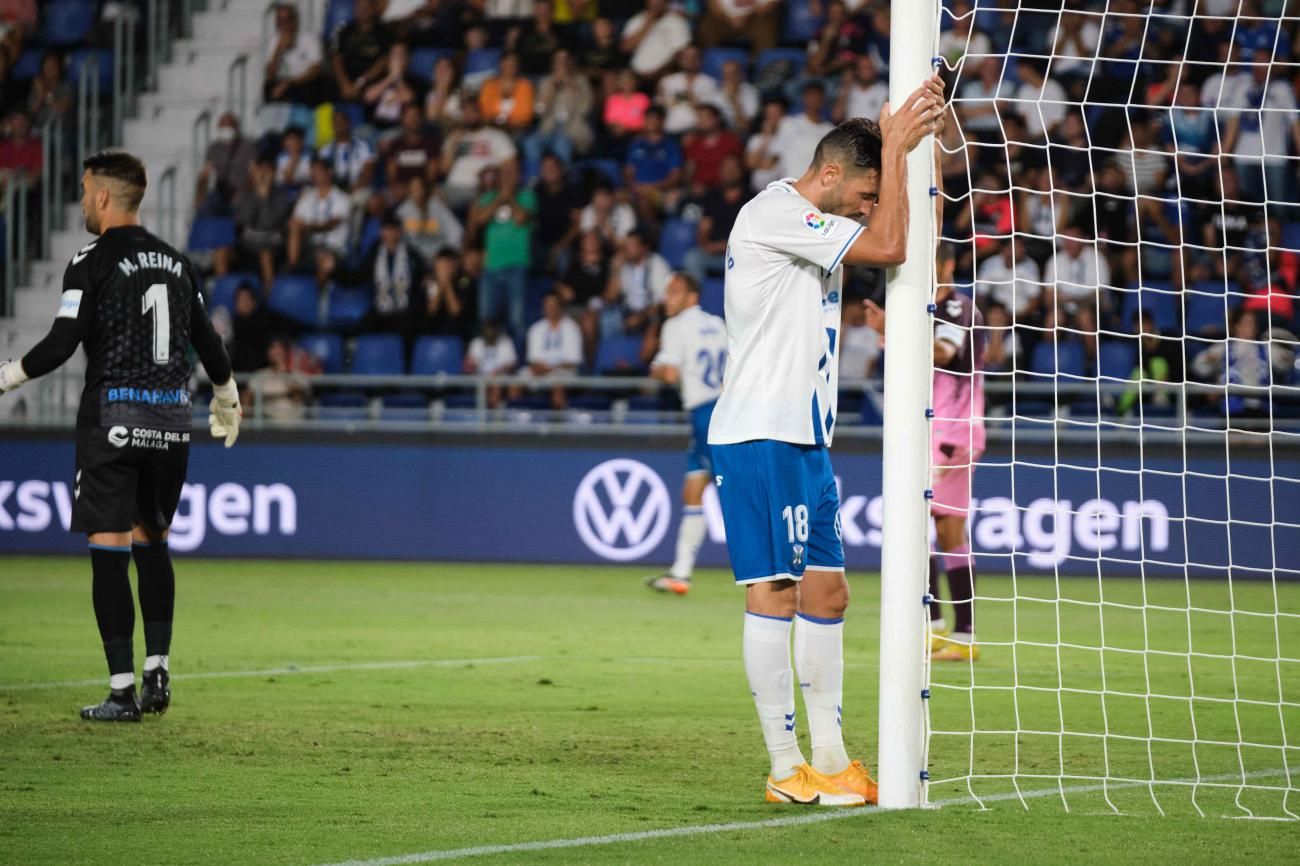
{"x": 1121, "y": 184}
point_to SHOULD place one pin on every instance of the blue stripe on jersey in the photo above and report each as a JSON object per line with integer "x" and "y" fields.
{"x": 818, "y": 438}
{"x": 845, "y": 248}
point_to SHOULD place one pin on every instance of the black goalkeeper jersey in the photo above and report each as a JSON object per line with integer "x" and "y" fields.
{"x": 134, "y": 303}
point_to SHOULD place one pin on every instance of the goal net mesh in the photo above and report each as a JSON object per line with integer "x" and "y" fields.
{"x": 1119, "y": 183}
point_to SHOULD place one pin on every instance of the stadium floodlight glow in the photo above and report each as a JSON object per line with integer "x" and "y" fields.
{"x": 1163, "y": 673}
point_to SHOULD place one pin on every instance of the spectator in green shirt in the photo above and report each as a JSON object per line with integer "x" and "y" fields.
{"x": 503, "y": 218}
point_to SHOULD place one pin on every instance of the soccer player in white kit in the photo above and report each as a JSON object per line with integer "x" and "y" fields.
{"x": 692, "y": 355}
{"x": 774, "y": 422}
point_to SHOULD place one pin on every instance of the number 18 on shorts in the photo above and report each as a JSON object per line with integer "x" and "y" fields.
{"x": 780, "y": 507}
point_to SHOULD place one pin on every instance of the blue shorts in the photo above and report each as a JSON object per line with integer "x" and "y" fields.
{"x": 698, "y": 456}
{"x": 780, "y": 507}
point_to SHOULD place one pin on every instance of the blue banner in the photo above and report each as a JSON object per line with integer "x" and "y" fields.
{"x": 572, "y": 503}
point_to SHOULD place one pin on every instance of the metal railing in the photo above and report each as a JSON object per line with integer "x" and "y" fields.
{"x": 237, "y": 77}
{"x": 15, "y": 237}
{"x": 88, "y": 130}
{"x": 166, "y": 206}
{"x": 158, "y": 43}
{"x": 124, "y": 99}
{"x": 200, "y": 137}
{"x": 52, "y": 168}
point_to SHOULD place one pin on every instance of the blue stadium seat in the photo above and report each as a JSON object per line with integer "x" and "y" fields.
{"x": 1058, "y": 359}
{"x": 295, "y": 296}
{"x": 434, "y": 355}
{"x": 609, "y": 169}
{"x": 28, "y": 65}
{"x": 591, "y": 402}
{"x": 68, "y": 22}
{"x": 794, "y": 56}
{"x": 712, "y": 61}
{"x": 423, "y": 61}
{"x": 405, "y": 406}
{"x": 368, "y": 240}
{"x": 337, "y": 14}
{"x": 482, "y": 60}
{"x": 328, "y": 349}
{"x": 619, "y": 355}
{"x": 378, "y": 355}
{"x": 83, "y": 56}
{"x": 347, "y": 307}
{"x": 223, "y": 289}
{"x": 1291, "y": 236}
{"x": 677, "y": 239}
{"x": 211, "y": 233}
{"x": 712, "y": 295}
{"x": 343, "y": 406}
{"x": 1208, "y": 314}
{"x": 800, "y": 23}
{"x": 1158, "y": 297}
{"x": 1116, "y": 358}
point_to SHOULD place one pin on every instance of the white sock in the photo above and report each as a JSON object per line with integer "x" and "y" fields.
{"x": 152, "y": 662}
{"x": 690, "y": 535}
{"x": 962, "y": 637}
{"x": 938, "y": 626}
{"x": 819, "y": 658}
{"x": 117, "y": 682}
{"x": 771, "y": 681}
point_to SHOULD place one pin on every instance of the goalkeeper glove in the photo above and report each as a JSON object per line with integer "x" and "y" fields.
{"x": 225, "y": 412}
{"x": 12, "y": 375}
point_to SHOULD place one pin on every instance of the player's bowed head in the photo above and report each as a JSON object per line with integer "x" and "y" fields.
{"x": 859, "y": 171}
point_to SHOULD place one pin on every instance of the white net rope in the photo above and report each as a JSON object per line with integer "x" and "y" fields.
{"x": 1120, "y": 184}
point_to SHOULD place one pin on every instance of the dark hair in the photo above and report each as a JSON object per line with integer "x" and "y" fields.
{"x": 656, "y": 111}
{"x": 692, "y": 284}
{"x": 294, "y": 129}
{"x": 640, "y": 234}
{"x": 854, "y": 145}
{"x": 125, "y": 169}
{"x": 390, "y": 221}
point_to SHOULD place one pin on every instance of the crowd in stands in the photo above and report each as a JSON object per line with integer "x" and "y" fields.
{"x": 503, "y": 185}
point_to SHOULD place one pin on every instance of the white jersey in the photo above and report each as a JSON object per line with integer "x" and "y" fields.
{"x": 783, "y": 317}
{"x": 695, "y": 342}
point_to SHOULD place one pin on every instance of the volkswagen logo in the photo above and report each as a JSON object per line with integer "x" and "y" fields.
{"x": 118, "y": 436}
{"x": 621, "y": 509}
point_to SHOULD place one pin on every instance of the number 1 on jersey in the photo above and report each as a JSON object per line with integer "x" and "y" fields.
{"x": 155, "y": 299}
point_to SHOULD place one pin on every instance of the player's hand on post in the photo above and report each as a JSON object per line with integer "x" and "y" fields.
{"x": 12, "y": 375}
{"x": 922, "y": 116}
{"x": 225, "y": 413}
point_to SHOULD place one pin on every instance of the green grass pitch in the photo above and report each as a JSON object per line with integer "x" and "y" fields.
{"x": 596, "y": 708}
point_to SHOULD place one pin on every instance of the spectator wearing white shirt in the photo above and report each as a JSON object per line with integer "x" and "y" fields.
{"x": 654, "y": 37}
{"x": 293, "y": 163}
{"x": 978, "y": 99}
{"x": 293, "y": 66}
{"x": 608, "y": 217}
{"x": 738, "y": 99}
{"x": 491, "y": 353}
{"x": 467, "y": 151}
{"x": 1077, "y": 271}
{"x": 1257, "y": 111}
{"x": 962, "y": 39}
{"x": 636, "y": 285}
{"x": 1011, "y": 279}
{"x": 798, "y": 134}
{"x": 320, "y": 218}
{"x": 683, "y": 90}
{"x": 554, "y": 346}
{"x": 1041, "y": 100}
{"x": 351, "y": 160}
{"x": 862, "y": 93}
{"x": 1075, "y": 46}
{"x": 762, "y": 157}
{"x": 859, "y": 343}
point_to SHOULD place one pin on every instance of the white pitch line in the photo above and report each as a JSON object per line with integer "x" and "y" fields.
{"x": 294, "y": 669}
{"x": 789, "y": 821}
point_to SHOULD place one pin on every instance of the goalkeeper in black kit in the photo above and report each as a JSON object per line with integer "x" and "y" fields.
{"x": 133, "y": 302}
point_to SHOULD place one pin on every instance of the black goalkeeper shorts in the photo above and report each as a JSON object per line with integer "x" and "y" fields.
{"x": 127, "y": 477}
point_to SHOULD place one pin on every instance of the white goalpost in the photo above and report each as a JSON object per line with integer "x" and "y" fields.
{"x": 1121, "y": 186}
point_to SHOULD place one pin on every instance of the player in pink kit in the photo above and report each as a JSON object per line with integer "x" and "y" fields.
{"x": 957, "y": 441}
